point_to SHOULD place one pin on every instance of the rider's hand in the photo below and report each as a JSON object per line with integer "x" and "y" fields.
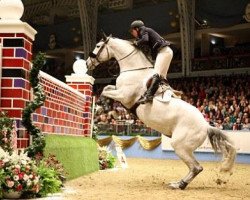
{"x": 135, "y": 43}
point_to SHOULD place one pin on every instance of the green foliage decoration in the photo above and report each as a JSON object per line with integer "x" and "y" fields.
{"x": 6, "y": 132}
{"x": 38, "y": 142}
{"x": 50, "y": 182}
{"x": 2, "y": 177}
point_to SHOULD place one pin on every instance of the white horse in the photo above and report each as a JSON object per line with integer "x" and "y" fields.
{"x": 177, "y": 119}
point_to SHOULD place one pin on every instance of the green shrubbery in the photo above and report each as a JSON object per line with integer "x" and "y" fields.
{"x": 79, "y": 155}
{"x": 50, "y": 182}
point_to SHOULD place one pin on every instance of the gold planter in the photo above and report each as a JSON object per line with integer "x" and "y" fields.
{"x": 12, "y": 195}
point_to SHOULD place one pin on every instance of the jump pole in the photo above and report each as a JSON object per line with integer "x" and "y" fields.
{"x": 92, "y": 117}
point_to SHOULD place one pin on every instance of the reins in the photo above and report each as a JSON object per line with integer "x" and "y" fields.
{"x": 131, "y": 69}
{"x": 95, "y": 56}
{"x": 137, "y": 69}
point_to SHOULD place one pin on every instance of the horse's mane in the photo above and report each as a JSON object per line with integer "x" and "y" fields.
{"x": 144, "y": 51}
{"x": 125, "y": 41}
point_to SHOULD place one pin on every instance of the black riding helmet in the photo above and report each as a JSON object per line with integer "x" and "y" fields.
{"x": 136, "y": 24}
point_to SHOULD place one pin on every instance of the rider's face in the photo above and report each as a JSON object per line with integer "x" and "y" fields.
{"x": 134, "y": 33}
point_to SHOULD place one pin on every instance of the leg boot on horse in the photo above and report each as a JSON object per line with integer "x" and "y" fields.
{"x": 149, "y": 94}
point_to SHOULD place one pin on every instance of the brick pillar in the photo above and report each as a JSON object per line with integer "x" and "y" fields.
{"x": 84, "y": 84}
{"x": 16, "y": 39}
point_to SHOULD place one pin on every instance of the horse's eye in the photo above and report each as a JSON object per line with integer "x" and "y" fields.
{"x": 97, "y": 46}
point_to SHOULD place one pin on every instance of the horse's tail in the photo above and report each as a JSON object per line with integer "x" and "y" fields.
{"x": 221, "y": 143}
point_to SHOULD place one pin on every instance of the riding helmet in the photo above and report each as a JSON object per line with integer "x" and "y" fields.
{"x": 136, "y": 24}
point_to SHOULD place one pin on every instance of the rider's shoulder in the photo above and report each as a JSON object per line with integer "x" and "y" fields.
{"x": 147, "y": 29}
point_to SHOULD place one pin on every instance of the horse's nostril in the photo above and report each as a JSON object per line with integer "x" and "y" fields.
{"x": 92, "y": 55}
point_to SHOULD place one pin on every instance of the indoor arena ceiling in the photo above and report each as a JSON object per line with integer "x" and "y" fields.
{"x": 114, "y": 16}
{"x": 40, "y": 12}
{"x": 220, "y": 12}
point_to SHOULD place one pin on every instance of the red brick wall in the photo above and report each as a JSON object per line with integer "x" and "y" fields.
{"x": 86, "y": 89}
{"x": 65, "y": 111}
{"x": 15, "y": 87}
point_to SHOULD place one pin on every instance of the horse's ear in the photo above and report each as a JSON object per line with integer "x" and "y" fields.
{"x": 104, "y": 36}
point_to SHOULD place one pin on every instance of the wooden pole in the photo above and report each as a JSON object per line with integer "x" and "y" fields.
{"x": 92, "y": 117}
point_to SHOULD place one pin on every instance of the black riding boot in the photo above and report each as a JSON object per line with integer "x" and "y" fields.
{"x": 149, "y": 94}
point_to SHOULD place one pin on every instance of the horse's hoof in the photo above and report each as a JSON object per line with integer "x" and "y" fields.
{"x": 178, "y": 185}
{"x": 174, "y": 185}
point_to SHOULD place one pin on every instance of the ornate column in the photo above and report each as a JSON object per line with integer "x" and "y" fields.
{"x": 82, "y": 82}
{"x": 88, "y": 15}
{"x": 16, "y": 40}
{"x": 187, "y": 12}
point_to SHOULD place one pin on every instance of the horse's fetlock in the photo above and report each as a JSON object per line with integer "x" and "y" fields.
{"x": 183, "y": 185}
{"x": 200, "y": 169}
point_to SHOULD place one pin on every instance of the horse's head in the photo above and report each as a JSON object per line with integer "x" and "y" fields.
{"x": 100, "y": 54}
{"x": 125, "y": 53}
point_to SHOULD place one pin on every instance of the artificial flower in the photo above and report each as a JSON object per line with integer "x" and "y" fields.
{"x": 18, "y": 170}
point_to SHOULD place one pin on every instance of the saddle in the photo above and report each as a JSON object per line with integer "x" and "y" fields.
{"x": 165, "y": 91}
{"x": 164, "y": 94}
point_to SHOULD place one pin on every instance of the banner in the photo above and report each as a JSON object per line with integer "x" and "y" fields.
{"x": 241, "y": 140}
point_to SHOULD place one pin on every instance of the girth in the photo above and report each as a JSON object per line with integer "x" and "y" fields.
{"x": 133, "y": 109}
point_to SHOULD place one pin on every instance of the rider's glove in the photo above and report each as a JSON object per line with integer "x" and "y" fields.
{"x": 135, "y": 43}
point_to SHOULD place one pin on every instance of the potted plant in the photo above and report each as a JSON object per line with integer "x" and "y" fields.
{"x": 18, "y": 174}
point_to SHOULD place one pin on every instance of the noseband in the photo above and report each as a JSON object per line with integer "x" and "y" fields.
{"x": 96, "y": 56}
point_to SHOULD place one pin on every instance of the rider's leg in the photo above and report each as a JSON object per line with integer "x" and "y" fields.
{"x": 149, "y": 94}
{"x": 162, "y": 63}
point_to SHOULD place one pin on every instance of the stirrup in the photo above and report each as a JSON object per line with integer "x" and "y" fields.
{"x": 177, "y": 93}
{"x": 164, "y": 81}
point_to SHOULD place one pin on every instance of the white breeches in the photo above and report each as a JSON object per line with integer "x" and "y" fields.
{"x": 163, "y": 60}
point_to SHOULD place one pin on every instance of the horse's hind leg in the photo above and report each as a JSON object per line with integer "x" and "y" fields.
{"x": 186, "y": 154}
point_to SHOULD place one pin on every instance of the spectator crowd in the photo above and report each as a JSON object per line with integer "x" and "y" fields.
{"x": 223, "y": 101}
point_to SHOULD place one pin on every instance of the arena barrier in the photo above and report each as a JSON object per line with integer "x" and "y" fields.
{"x": 240, "y": 139}
{"x": 122, "y": 127}
{"x": 165, "y": 151}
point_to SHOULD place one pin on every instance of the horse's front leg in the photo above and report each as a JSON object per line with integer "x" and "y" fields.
{"x": 110, "y": 91}
{"x": 109, "y": 87}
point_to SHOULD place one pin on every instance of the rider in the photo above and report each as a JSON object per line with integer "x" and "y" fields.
{"x": 160, "y": 51}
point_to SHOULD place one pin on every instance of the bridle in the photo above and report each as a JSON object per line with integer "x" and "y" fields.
{"x": 96, "y": 56}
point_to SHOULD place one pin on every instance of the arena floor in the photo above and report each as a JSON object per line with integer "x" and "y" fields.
{"x": 147, "y": 179}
